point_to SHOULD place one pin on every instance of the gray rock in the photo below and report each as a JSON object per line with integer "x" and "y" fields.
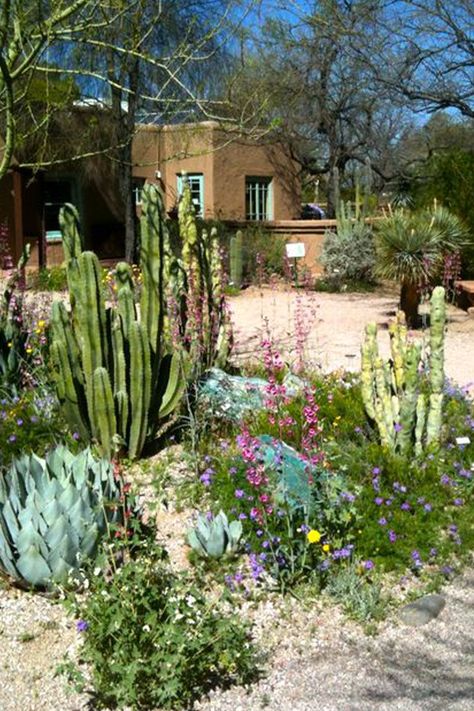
{"x": 421, "y": 611}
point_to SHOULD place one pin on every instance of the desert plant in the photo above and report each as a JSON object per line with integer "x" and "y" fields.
{"x": 403, "y": 413}
{"x": 153, "y": 640}
{"x": 114, "y": 381}
{"x": 53, "y": 512}
{"x": 236, "y": 260}
{"x": 196, "y": 283}
{"x": 410, "y": 250}
{"x": 13, "y": 334}
{"x": 215, "y": 537}
{"x": 349, "y": 253}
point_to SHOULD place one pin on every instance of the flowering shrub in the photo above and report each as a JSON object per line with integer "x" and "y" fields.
{"x": 153, "y": 640}
{"x": 356, "y": 504}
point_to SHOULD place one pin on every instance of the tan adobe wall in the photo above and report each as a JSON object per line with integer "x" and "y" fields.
{"x": 223, "y": 161}
{"x": 237, "y": 159}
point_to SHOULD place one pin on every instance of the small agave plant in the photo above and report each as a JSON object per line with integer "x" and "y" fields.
{"x": 215, "y": 537}
{"x": 53, "y": 512}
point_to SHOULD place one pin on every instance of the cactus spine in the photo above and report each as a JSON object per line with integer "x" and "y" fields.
{"x": 404, "y": 416}
{"x": 112, "y": 377}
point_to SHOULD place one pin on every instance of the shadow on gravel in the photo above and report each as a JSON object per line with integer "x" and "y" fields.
{"x": 429, "y": 669}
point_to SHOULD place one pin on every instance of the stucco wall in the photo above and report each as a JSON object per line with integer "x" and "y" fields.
{"x": 236, "y": 159}
{"x": 224, "y": 162}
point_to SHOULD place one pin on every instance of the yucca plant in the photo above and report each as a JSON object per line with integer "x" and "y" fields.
{"x": 53, "y": 513}
{"x": 411, "y": 248}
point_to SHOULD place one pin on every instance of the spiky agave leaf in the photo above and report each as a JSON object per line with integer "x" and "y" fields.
{"x": 53, "y": 512}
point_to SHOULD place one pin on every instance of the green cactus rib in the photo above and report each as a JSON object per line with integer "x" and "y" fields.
{"x": 105, "y": 426}
{"x": 69, "y": 225}
{"x": 91, "y": 317}
{"x": 139, "y": 389}
{"x": 72, "y": 247}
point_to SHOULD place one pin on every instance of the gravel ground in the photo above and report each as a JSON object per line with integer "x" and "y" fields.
{"x": 333, "y": 328}
{"x": 319, "y": 661}
{"x": 326, "y": 663}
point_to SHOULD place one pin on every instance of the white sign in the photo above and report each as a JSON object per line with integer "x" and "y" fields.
{"x": 463, "y": 440}
{"x": 295, "y": 250}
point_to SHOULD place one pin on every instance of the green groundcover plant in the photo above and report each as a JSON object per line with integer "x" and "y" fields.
{"x": 368, "y": 508}
{"x": 154, "y": 640}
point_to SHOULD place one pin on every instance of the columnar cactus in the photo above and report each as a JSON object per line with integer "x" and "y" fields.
{"x": 199, "y": 282}
{"x": 391, "y": 391}
{"x": 112, "y": 378}
{"x": 236, "y": 261}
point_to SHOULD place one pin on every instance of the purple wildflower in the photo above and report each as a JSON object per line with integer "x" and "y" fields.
{"x": 82, "y": 625}
{"x": 239, "y": 493}
{"x": 392, "y": 536}
{"x": 378, "y": 500}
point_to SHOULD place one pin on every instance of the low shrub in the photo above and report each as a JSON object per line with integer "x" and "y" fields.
{"x": 348, "y": 255}
{"x": 153, "y": 640}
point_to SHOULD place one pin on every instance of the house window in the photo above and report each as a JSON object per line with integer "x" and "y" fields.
{"x": 56, "y": 193}
{"x": 196, "y": 183}
{"x": 258, "y": 198}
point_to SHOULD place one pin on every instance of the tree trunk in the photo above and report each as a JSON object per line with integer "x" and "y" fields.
{"x": 409, "y": 302}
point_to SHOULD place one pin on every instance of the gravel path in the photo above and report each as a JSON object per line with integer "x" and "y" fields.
{"x": 333, "y": 327}
{"x": 319, "y": 661}
{"x": 328, "y": 664}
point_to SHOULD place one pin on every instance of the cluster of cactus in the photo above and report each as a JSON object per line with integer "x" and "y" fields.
{"x": 13, "y": 334}
{"x": 113, "y": 379}
{"x": 406, "y": 409}
{"x": 196, "y": 282}
{"x": 53, "y": 513}
{"x": 236, "y": 260}
{"x": 215, "y": 537}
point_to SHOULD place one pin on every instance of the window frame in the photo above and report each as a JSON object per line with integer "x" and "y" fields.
{"x": 193, "y": 177}
{"x": 253, "y": 211}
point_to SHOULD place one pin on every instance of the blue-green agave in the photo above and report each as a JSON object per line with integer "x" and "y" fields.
{"x": 213, "y": 538}
{"x": 53, "y": 512}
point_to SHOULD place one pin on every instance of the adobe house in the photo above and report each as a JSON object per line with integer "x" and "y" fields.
{"x": 231, "y": 179}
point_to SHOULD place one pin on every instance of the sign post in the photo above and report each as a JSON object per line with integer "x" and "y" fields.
{"x": 295, "y": 251}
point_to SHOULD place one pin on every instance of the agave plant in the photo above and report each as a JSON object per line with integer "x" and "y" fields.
{"x": 411, "y": 248}
{"x": 53, "y": 512}
{"x": 215, "y": 537}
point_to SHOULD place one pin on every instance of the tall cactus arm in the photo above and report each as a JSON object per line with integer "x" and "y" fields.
{"x": 139, "y": 388}
{"x": 151, "y": 249}
{"x": 104, "y": 411}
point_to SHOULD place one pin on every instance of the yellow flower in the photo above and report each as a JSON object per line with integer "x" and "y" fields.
{"x": 313, "y": 536}
{"x": 326, "y": 548}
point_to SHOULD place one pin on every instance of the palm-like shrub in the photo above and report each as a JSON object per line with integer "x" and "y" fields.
{"x": 411, "y": 248}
